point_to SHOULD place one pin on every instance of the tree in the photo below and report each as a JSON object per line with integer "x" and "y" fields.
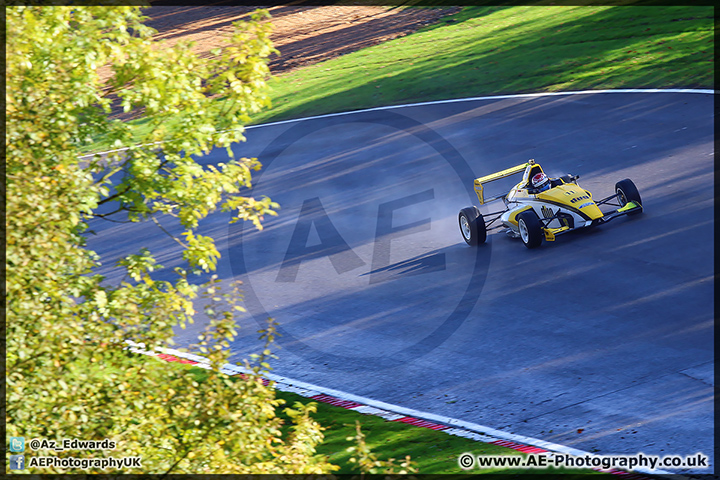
{"x": 68, "y": 373}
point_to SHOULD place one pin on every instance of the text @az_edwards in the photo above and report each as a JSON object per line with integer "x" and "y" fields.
{"x": 544, "y": 460}
{"x": 70, "y": 444}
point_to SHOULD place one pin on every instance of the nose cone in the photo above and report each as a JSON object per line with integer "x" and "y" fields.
{"x": 574, "y": 198}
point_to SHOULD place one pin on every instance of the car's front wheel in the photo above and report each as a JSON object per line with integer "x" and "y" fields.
{"x": 472, "y": 225}
{"x": 626, "y": 191}
{"x": 530, "y": 229}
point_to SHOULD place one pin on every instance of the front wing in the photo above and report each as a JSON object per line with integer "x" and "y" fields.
{"x": 628, "y": 209}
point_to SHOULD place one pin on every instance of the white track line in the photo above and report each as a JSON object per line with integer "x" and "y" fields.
{"x": 391, "y": 412}
{"x": 458, "y": 100}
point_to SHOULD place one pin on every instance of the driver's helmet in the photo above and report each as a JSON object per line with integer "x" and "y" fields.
{"x": 541, "y": 182}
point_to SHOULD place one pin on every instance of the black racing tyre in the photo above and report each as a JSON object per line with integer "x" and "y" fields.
{"x": 472, "y": 225}
{"x": 627, "y": 192}
{"x": 530, "y": 229}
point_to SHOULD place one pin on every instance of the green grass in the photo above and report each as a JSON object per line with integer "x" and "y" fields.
{"x": 501, "y": 50}
{"x": 433, "y": 452}
{"x": 508, "y": 49}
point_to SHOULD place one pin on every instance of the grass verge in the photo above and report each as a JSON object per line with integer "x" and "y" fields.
{"x": 511, "y": 49}
{"x": 496, "y": 50}
{"x": 434, "y": 452}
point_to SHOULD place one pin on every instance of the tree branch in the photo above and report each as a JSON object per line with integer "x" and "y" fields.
{"x": 168, "y": 233}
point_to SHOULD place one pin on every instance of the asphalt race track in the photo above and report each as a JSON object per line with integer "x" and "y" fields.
{"x": 602, "y": 340}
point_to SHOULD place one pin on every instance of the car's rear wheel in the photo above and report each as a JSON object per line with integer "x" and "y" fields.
{"x": 626, "y": 191}
{"x": 530, "y": 229}
{"x": 472, "y": 226}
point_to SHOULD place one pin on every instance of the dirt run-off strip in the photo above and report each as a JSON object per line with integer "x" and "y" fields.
{"x": 304, "y": 35}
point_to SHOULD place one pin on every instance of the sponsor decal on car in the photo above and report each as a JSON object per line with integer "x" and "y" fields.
{"x": 577, "y": 199}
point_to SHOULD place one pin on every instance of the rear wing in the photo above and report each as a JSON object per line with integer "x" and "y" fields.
{"x": 479, "y": 182}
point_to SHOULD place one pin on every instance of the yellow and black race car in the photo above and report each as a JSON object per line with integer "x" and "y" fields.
{"x": 541, "y": 207}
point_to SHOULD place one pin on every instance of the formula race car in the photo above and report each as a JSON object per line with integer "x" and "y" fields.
{"x": 541, "y": 207}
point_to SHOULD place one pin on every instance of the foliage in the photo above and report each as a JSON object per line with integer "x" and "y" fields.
{"x": 70, "y": 70}
{"x": 368, "y": 461}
